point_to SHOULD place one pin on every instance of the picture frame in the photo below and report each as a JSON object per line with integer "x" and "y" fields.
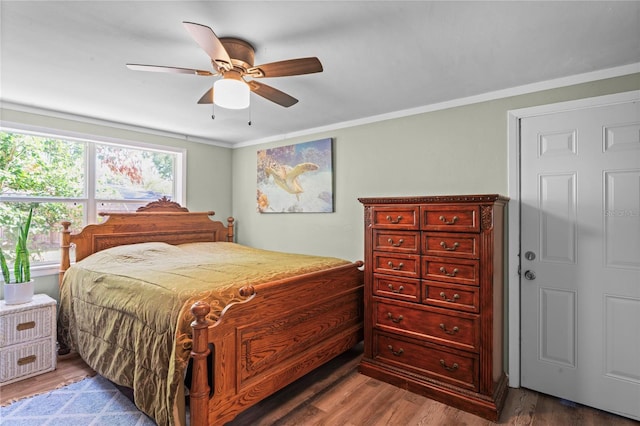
{"x": 296, "y": 178}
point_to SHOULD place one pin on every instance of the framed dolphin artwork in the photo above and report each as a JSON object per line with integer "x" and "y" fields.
{"x": 296, "y": 178}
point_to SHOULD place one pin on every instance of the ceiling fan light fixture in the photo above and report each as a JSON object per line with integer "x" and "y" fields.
{"x": 231, "y": 93}
{"x": 233, "y": 58}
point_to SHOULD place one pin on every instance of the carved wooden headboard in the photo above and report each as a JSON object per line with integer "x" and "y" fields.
{"x": 159, "y": 221}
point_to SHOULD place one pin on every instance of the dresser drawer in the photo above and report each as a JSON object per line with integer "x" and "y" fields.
{"x": 460, "y": 271}
{"x": 452, "y": 296}
{"x": 396, "y": 288}
{"x": 450, "y": 366}
{"x": 396, "y": 217}
{"x": 396, "y": 241}
{"x": 459, "y": 330}
{"x": 404, "y": 265}
{"x": 451, "y": 245}
{"x": 26, "y": 325}
{"x": 26, "y": 359}
{"x": 451, "y": 218}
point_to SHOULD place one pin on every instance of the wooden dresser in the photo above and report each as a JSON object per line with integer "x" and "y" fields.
{"x": 434, "y": 298}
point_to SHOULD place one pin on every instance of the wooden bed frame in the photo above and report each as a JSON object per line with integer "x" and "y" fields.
{"x": 282, "y": 331}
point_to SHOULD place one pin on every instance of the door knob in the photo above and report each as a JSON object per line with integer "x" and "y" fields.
{"x": 530, "y": 275}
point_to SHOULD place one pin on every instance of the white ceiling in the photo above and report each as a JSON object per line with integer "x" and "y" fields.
{"x": 379, "y": 57}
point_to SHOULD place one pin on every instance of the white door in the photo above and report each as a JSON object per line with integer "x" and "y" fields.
{"x": 580, "y": 256}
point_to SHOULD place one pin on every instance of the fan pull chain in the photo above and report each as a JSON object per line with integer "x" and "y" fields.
{"x": 213, "y": 113}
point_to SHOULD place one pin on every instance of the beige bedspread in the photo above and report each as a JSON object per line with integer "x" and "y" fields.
{"x": 126, "y": 310}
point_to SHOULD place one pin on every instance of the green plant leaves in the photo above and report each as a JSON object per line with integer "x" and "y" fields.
{"x": 22, "y": 265}
{"x": 5, "y": 268}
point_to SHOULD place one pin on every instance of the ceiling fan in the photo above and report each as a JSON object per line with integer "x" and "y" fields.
{"x": 232, "y": 59}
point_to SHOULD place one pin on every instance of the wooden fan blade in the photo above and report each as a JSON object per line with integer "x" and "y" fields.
{"x": 287, "y": 68}
{"x": 209, "y": 42}
{"x": 272, "y": 94}
{"x": 207, "y": 98}
{"x": 160, "y": 68}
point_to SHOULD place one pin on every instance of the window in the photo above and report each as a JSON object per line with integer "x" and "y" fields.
{"x": 73, "y": 179}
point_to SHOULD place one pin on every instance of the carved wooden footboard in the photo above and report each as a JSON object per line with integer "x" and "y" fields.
{"x": 301, "y": 323}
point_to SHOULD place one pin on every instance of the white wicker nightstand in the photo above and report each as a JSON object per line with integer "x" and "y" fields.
{"x": 27, "y": 338}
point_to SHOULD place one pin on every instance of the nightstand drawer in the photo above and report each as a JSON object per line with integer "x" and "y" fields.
{"x": 396, "y": 241}
{"x": 450, "y": 366}
{"x": 27, "y": 359}
{"x": 27, "y": 338}
{"x": 396, "y": 217}
{"x": 27, "y": 325}
{"x": 456, "y": 329}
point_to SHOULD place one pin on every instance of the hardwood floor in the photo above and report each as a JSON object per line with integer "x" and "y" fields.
{"x": 336, "y": 394}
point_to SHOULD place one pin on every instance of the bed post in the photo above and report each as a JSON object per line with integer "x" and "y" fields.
{"x": 230, "y": 221}
{"x": 199, "y": 392}
{"x": 65, "y": 262}
{"x": 65, "y": 244}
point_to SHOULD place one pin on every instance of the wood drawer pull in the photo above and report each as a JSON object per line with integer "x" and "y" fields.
{"x": 454, "y": 331}
{"x": 456, "y": 296}
{"x": 398, "y": 244}
{"x": 27, "y": 360}
{"x": 394, "y": 221}
{"x": 446, "y": 367}
{"x": 444, "y": 246}
{"x": 399, "y": 290}
{"x": 395, "y": 268}
{"x": 26, "y": 325}
{"x": 448, "y": 222}
{"x": 396, "y": 353}
{"x": 396, "y": 319}
{"x": 452, "y": 274}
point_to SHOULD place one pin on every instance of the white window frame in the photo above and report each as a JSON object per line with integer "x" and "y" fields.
{"x": 89, "y": 199}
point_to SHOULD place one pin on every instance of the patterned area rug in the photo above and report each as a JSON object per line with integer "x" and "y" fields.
{"x": 93, "y": 401}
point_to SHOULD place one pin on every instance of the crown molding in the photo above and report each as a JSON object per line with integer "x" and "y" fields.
{"x": 485, "y": 97}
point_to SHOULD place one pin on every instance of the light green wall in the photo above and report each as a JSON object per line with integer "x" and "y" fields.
{"x": 460, "y": 150}
{"x": 208, "y": 168}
